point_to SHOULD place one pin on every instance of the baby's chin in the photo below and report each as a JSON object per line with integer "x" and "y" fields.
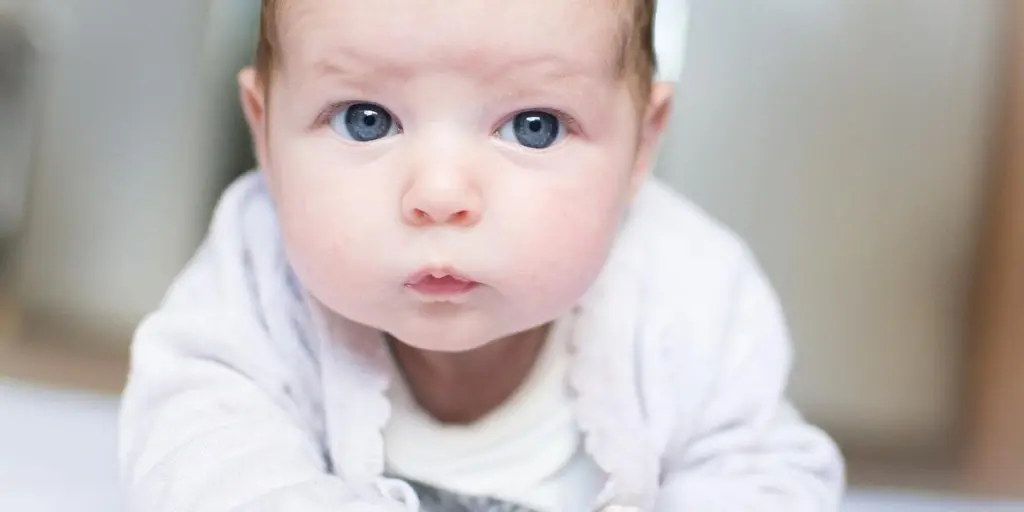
{"x": 444, "y": 345}
{"x": 449, "y": 339}
{"x": 460, "y": 333}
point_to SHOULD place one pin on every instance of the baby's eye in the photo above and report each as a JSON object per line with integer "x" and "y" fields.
{"x": 534, "y": 129}
{"x": 363, "y": 122}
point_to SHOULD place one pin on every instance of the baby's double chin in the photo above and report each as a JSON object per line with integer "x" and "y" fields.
{"x": 447, "y": 342}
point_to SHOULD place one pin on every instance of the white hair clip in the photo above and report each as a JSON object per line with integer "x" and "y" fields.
{"x": 671, "y": 26}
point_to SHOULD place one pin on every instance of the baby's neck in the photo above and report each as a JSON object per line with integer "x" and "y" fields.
{"x": 460, "y": 388}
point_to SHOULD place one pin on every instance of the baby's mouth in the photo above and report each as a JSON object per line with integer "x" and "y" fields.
{"x": 440, "y": 284}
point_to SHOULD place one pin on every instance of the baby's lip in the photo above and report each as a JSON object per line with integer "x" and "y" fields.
{"x": 441, "y": 282}
{"x": 438, "y": 273}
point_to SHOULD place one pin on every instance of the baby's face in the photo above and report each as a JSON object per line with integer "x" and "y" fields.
{"x": 450, "y": 172}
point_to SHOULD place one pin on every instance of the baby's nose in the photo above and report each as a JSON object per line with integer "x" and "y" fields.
{"x": 441, "y": 215}
{"x": 442, "y": 203}
{"x": 443, "y": 184}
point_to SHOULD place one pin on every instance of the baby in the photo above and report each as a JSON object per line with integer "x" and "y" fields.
{"x": 452, "y": 286}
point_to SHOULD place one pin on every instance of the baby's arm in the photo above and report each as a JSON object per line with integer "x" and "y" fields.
{"x": 752, "y": 451}
{"x": 214, "y": 417}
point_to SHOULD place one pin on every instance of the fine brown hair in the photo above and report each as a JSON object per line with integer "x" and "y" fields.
{"x": 635, "y": 55}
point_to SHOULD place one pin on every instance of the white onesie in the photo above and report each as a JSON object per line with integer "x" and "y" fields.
{"x": 528, "y": 451}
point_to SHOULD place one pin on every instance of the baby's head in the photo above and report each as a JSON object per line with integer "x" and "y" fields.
{"x": 491, "y": 144}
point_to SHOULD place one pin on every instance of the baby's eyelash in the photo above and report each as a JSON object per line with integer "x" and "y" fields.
{"x": 333, "y": 109}
{"x": 323, "y": 119}
{"x": 328, "y": 112}
{"x": 570, "y": 122}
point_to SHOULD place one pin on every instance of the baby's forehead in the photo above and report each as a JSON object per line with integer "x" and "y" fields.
{"x": 579, "y": 36}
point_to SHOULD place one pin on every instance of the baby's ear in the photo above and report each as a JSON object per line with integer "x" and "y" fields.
{"x": 659, "y": 107}
{"x": 254, "y": 105}
{"x": 652, "y": 126}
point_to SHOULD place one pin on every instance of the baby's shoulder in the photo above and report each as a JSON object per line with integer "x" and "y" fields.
{"x": 694, "y": 275}
{"x": 678, "y": 246}
{"x": 243, "y": 207}
{"x": 241, "y": 246}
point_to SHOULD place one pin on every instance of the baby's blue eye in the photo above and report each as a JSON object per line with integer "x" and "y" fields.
{"x": 363, "y": 122}
{"x": 534, "y": 129}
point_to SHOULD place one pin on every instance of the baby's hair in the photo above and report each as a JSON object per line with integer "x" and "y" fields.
{"x": 635, "y": 53}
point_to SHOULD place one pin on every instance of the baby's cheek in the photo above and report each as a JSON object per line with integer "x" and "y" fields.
{"x": 314, "y": 250}
{"x": 330, "y": 241}
{"x": 579, "y": 242}
{"x": 565, "y": 243}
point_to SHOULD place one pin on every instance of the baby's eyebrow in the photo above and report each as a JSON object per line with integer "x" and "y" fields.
{"x": 349, "y": 68}
{"x": 545, "y": 73}
{"x": 548, "y": 65}
{"x": 490, "y": 68}
{"x": 346, "y": 64}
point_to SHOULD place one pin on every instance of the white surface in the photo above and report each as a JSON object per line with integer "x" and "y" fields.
{"x": 910, "y": 502}
{"x": 57, "y": 451}
{"x": 58, "y": 454}
{"x": 846, "y": 140}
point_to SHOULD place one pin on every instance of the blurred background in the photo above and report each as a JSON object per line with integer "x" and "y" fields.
{"x": 867, "y": 150}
